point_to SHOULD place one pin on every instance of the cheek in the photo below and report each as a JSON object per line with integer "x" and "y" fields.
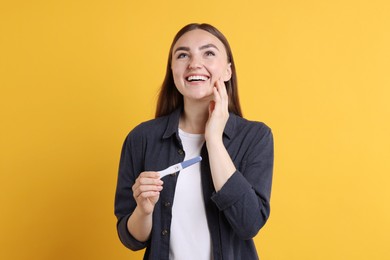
{"x": 175, "y": 74}
{"x": 177, "y": 70}
{"x": 217, "y": 71}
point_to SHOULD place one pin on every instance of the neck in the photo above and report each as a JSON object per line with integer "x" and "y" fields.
{"x": 194, "y": 118}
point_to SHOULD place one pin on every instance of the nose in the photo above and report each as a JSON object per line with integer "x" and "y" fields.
{"x": 195, "y": 62}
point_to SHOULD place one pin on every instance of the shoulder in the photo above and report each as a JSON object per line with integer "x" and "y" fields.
{"x": 146, "y": 132}
{"x": 250, "y": 127}
{"x": 151, "y": 127}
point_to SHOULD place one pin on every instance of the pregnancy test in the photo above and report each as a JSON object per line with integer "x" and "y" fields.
{"x": 179, "y": 166}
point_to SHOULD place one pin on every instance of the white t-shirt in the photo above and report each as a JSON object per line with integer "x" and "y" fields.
{"x": 190, "y": 235}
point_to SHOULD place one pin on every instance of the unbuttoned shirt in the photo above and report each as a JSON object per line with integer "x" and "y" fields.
{"x": 235, "y": 213}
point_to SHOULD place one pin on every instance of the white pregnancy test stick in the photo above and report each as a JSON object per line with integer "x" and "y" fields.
{"x": 179, "y": 166}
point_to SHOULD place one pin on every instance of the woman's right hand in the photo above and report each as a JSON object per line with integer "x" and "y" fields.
{"x": 146, "y": 191}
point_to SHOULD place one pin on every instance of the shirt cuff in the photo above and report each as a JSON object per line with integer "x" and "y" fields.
{"x": 127, "y": 239}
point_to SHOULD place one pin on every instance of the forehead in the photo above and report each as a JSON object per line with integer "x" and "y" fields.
{"x": 198, "y": 38}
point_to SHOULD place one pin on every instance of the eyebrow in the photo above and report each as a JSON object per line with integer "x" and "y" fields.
{"x": 210, "y": 45}
{"x": 182, "y": 48}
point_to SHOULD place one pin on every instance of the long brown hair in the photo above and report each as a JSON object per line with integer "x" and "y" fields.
{"x": 170, "y": 98}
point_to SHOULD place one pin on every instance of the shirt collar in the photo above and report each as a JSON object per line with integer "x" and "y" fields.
{"x": 173, "y": 124}
{"x": 230, "y": 126}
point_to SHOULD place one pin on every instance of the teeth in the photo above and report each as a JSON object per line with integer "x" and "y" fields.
{"x": 197, "y": 77}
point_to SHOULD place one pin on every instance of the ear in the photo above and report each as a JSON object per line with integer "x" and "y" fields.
{"x": 228, "y": 73}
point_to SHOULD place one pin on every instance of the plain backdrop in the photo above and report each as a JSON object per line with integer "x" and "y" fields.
{"x": 76, "y": 76}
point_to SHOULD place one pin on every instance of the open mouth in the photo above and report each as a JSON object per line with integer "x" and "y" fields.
{"x": 197, "y": 78}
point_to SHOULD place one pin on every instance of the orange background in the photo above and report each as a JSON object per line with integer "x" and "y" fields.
{"x": 76, "y": 76}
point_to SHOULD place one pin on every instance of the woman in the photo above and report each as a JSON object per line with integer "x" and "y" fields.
{"x": 210, "y": 210}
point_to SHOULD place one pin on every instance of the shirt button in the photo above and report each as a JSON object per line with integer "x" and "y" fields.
{"x": 164, "y": 232}
{"x": 180, "y": 151}
{"x": 167, "y": 204}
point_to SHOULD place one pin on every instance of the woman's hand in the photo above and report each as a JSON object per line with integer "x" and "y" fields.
{"x": 146, "y": 191}
{"x": 218, "y": 112}
{"x": 221, "y": 165}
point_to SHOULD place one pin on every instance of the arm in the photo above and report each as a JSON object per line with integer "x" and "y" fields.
{"x": 221, "y": 165}
{"x": 243, "y": 196}
{"x": 146, "y": 192}
{"x": 136, "y": 195}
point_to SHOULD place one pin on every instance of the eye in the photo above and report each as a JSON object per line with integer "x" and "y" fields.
{"x": 209, "y": 53}
{"x": 182, "y": 55}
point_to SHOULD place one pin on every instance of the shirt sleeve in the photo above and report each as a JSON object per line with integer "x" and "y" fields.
{"x": 129, "y": 168}
{"x": 245, "y": 197}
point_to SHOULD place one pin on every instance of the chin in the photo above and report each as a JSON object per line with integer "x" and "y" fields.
{"x": 201, "y": 97}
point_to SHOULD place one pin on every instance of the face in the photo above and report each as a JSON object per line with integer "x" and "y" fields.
{"x": 199, "y": 59}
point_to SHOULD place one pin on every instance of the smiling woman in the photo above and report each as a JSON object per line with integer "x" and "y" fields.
{"x": 169, "y": 90}
{"x": 199, "y": 61}
{"x": 210, "y": 210}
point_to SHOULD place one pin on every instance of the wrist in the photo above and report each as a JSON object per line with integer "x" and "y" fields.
{"x": 140, "y": 213}
{"x": 214, "y": 141}
{"x": 140, "y": 225}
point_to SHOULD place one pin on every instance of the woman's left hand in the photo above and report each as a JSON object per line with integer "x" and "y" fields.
{"x": 221, "y": 165}
{"x": 218, "y": 112}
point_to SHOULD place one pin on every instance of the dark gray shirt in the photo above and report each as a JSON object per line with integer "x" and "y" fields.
{"x": 235, "y": 214}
